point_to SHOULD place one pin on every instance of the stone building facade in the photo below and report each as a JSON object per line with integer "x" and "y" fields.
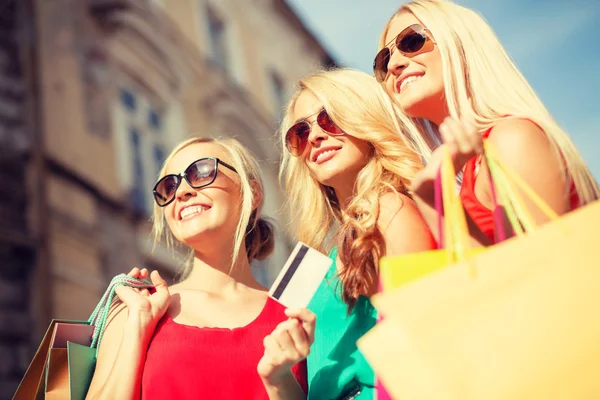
{"x": 93, "y": 95}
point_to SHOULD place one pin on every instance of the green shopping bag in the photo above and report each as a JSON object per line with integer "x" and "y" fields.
{"x": 64, "y": 363}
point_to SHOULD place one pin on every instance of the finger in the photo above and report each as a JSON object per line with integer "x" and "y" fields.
{"x": 448, "y": 138}
{"x": 308, "y": 319}
{"x": 300, "y": 338}
{"x": 273, "y": 355}
{"x": 286, "y": 344}
{"x": 145, "y": 292}
{"x": 159, "y": 283}
{"x": 144, "y": 274}
{"x": 271, "y": 345}
{"x": 127, "y": 295}
{"x": 134, "y": 272}
{"x": 473, "y": 134}
{"x": 457, "y": 131}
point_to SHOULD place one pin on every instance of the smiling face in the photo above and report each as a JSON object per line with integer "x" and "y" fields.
{"x": 200, "y": 216}
{"x": 415, "y": 83}
{"x": 333, "y": 160}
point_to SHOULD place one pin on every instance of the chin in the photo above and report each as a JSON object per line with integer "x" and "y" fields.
{"x": 327, "y": 178}
{"x": 419, "y": 104}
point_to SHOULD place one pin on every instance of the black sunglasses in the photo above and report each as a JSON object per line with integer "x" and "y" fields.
{"x": 410, "y": 42}
{"x": 199, "y": 174}
{"x": 296, "y": 137}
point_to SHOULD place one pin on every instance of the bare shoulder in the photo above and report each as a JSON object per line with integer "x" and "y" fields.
{"x": 516, "y": 137}
{"x": 391, "y": 202}
{"x": 399, "y": 210}
{"x": 402, "y": 225}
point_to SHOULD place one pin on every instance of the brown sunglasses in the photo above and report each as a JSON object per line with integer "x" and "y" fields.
{"x": 296, "y": 137}
{"x": 410, "y": 42}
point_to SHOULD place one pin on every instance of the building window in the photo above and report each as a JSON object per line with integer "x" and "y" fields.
{"x": 154, "y": 119}
{"x": 143, "y": 152}
{"x": 159, "y": 158}
{"x": 128, "y": 100}
{"x": 277, "y": 92}
{"x": 218, "y": 39}
{"x": 138, "y": 191}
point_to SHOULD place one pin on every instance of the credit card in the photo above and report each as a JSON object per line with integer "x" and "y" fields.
{"x": 300, "y": 277}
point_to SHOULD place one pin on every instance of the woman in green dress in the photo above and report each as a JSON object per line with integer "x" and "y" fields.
{"x": 348, "y": 162}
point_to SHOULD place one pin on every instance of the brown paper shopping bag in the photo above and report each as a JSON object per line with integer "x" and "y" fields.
{"x": 31, "y": 386}
{"x": 64, "y": 363}
{"x": 524, "y": 326}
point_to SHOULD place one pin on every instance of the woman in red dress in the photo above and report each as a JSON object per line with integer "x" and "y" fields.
{"x": 442, "y": 64}
{"x": 202, "y": 338}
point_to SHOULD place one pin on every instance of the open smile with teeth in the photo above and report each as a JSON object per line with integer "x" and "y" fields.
{"x": 325, "y": 154}
{"x": 409, "y": 80}
{"x": 189, "y": 212}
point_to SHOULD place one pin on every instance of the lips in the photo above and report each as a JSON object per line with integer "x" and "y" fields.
{"x": 407, "y": 79}
{"x": 192, "y": 209}
{"x": 324, "y": 154}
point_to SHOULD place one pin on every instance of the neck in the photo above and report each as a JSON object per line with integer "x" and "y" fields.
{"x": 344, "y": 194}
{"x": 438, "y": 114}
{"x": 213, "y": 272}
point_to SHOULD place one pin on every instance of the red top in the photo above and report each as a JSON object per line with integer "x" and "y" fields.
{"x": 481, "y": 215}
{"x": 187, "y": 362}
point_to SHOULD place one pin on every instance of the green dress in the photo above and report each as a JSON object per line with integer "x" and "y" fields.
{"x": 336, "y": 368}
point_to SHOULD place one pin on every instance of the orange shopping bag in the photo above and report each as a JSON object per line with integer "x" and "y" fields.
{"x": 525, "y": 325}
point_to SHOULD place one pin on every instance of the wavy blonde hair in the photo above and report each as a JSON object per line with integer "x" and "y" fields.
{"x": 253, "y": 231}
{"x": 361, "y": 108}
{"x": 483, "y": 83}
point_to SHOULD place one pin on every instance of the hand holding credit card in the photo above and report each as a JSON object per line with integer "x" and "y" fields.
{"x": 300, "y": 277}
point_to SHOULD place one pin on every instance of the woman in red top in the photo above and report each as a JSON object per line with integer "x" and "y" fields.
{"x": 443, "y": 65}
{"x": 202, "y": 338}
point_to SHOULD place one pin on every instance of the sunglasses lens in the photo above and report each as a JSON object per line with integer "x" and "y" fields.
{"x": 201, "y": 173}
{"x": 411, "y": 41}
{"x": 380, "y": 65}
{"x": 327, "y": 124}
{"x": 165, "y": 189}
{"x": 296, "y": 138}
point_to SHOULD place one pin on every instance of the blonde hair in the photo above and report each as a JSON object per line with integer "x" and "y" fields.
{"x": 361, "y": 108}
{"x": 253, "y": 231}
{"x": 483, "y": 83}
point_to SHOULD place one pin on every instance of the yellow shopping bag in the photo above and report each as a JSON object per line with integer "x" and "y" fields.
{"x": 525, "y": 326}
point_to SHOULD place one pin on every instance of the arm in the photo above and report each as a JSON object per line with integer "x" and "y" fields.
{"x": 120, "y": 358}
{"x": 122, "y": 351}
{"x": 287, "y": 345}
{"x": 286, "y": 388}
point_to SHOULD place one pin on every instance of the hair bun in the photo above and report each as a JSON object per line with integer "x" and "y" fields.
{"x": 260, "y": 239}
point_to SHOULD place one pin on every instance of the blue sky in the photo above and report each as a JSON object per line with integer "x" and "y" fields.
{"x": 555, "y": 43}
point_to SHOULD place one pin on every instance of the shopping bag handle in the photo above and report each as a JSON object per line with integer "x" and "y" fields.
{"x": 99, "y": 316}
{"x": 452, "y": 222}
{"x": 506, "y": 182}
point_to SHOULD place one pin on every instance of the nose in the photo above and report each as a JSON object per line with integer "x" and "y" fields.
{"x": 317, "y": 134}
{"x": 184, "y": 190}
{"x": 397, "y": 62}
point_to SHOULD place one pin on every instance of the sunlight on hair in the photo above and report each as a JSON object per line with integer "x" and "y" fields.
{"x": 489, "y": 86}
{"x": 361, "y": 108}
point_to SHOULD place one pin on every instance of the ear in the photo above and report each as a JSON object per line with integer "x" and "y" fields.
{"x": 257, "y": 194}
